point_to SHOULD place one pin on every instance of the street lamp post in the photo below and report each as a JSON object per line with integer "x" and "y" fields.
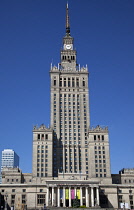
{"x": 6, "y": 196}
{"x": 124, "y": 205}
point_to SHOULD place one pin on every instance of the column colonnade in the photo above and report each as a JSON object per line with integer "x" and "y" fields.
{"x": 62, "y": 195}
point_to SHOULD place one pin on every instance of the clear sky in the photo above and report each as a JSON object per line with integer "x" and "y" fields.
{"x": 31, "y": 33}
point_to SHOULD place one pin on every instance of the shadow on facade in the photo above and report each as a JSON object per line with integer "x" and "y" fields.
{"x": 3, "y": 204}
{"x": 104, "y": 202}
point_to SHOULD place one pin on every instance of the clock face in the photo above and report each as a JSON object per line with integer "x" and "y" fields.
{"x": 68, "y": 46}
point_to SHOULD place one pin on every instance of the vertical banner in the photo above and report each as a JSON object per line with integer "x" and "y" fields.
{"x": 67, "y": 194}
{"x": 61, "y": 193}
{"x": 78, "y": 194}
{"x": 72, "y": 194}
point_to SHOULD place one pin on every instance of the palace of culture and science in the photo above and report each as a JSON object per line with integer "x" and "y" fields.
{"x": 71, "y": 159}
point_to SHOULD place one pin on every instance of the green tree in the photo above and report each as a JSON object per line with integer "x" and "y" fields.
{"x": 76, "y": 202}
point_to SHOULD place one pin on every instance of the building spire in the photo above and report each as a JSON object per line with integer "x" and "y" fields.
{"x": 67, "y": 21}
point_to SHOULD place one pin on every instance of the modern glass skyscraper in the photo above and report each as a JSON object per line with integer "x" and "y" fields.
{"x": 9, "y": 159}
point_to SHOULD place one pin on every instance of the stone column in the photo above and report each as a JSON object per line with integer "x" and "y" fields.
{"x": 64, "y": 197}
{"x": 58, "y": 196}
{"x": 69, "y": 196}
{"x": 47, "y": 199}
{"x": 52, "y": 196}
{"x": 81, "y": 199}
{"x": 87, "y": 197}
{"x": 75, "y": 192}
{"x": 97, "y": 196}
{"x": 92, "y": 196}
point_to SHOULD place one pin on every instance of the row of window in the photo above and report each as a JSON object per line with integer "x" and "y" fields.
{"x": 121, "y": 200}
{"x": 42, "y": 137}
{"x": 42, "y": 151}
{"x": 42, "y": 169}
{"x": 42, "y": 164}
{"x": 13, "y": 190}
{"x": 99, "y": 156}
{"x": 42, "y": 155}
{"x": 99, "y": 152}
{"x": 100, "y": 161}
{"x": 69, "y": 82}
{"x": 41, "y": 161}
{"x": 42, "y": 174}
{"x": 120, "y": 191}
{"x": 100, "y": 175}
{"x": 23, "y": 199}
{"x": 100, "y": 165}
{"x": 100, "y": 170}
{"x": 68, "y": 58}
{"x": 17, "y": 180}
{"x": 40, "y": 198}
{"x": 42, "y": 146}
{"x": 99, "y": 147}
{"x": 129, "y": 181}
{"x": 98, "y": 137}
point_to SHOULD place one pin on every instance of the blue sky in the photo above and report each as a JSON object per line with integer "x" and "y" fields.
{"x": 31, "y": 38}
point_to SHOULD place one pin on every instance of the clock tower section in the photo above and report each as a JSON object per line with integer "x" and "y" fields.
{"x": 68, "y": 54}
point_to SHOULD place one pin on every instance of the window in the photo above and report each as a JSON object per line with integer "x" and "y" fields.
{"x": 131, "y": 202}
{"x": 64, "y": 82}
{"x": 12, "y": 199}
{"x": 72, "y": 82}
{"x": 23, "y": 190}
{"x": 23, "y": 199}
{"x": 68, "y": 82}
{"x": 130, "y": 197}
{"x": 83, "y": 83}
{"x": 46, "y": 136}
{"x": 120, "y": 197}
{"x": 54, "y": 82}
{"x": 60, "y": 82}
{"x": 77, "y": 82}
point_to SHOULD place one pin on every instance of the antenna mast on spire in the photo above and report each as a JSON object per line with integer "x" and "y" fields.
{"x": 67, "y": 21}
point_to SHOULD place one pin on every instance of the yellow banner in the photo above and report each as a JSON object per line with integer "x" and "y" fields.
{"x": 67, "y": 194}
{"x": 78, "y": 193}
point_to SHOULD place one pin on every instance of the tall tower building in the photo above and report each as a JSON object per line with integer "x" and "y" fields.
{"x": 70, "y": 145}
{"x": 9, "y": 159}
{"x": 69, "y": 109}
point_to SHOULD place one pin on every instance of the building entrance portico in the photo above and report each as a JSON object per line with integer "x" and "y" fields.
{"x": 61, "y": 195}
